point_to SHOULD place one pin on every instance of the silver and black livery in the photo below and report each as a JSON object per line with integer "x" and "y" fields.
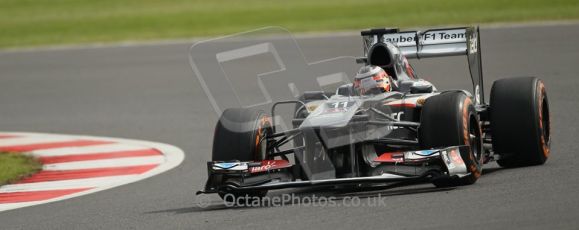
{"x": 414, "y": 133}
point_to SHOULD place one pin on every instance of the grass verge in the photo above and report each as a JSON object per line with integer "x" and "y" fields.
{"x": 15, "y": 166}
{"x": 34, "y": 23}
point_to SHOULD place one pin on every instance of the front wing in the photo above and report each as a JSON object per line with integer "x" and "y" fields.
{"x": 239, "y": 176}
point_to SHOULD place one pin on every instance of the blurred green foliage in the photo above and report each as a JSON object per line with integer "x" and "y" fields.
{"x": 44, "y": 22}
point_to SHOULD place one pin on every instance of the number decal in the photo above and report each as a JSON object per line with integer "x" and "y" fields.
{"x": 340, "y": 106}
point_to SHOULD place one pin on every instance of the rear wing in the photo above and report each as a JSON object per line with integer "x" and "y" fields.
{"x": 435, "y": 43}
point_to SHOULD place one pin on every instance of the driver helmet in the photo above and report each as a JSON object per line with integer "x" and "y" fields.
{"x": 372, "y": 79}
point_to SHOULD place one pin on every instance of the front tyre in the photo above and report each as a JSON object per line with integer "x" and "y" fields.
{"x": 520, "y": 121}
{"x": 240, "y": 135}
{"x": 450, "y": 119}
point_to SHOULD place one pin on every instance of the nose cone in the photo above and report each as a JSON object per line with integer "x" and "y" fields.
{"x": 332, "y": 114}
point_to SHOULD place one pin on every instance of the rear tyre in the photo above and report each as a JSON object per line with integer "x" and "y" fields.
{"x": 240, "y": 134}
{"x": 450, "y": 119}
{"x": 520, "y": 121}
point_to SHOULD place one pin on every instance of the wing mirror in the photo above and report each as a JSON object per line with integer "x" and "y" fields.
{"x": 420, "y": 88}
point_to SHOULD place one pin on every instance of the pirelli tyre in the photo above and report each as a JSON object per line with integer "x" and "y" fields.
{"x": 240, "y": 135}
{"x": 450, "y": 119}
{"x": 520, "y": 121}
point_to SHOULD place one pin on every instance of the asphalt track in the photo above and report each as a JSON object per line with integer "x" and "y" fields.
{"x": 149, "y": 92}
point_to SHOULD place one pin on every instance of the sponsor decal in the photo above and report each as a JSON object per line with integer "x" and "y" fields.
{"x": 473, "y": 44}
{"x": 416, "y": 157}
{"x": 445, "y": 35}
{"x": 230, "y": 166}
{"x": 268, "y": 165}
{"x": 428, "y": 38}
{"x": 395, "y": 157}
{"x": 397, "y": 115}
{"x": 411, "y": 156}
{"x": 401, "y": 38}
{"x": 425, "y": 152}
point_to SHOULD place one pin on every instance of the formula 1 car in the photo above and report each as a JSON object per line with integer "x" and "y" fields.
{"x": 414, "y": 133}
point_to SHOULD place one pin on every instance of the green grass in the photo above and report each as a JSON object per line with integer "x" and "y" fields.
{"x": 43, "y": 22}
{"x": 14, "y": 166}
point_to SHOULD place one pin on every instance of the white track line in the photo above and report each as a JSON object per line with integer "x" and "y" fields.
{"x": 115, "y": 147}
{"x": 15, "y": 141}
{"x": 66, "y": 184}
{"x": 108, "y": 163}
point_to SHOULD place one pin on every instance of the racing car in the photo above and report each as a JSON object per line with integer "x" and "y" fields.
{"x": 388, "y": 126}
